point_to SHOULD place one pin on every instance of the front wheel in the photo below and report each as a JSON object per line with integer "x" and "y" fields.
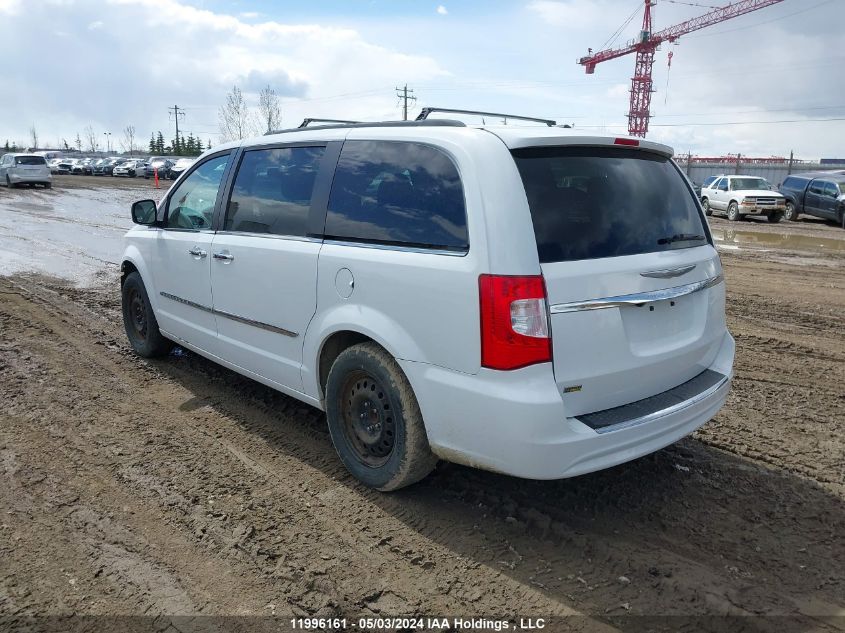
{"x": 375, "y": 421}
{"x": 733, "y": 212}
{"x": 790, "y": 213}
{"x": 705, "y": 204}
{"x": 139, "y": 319}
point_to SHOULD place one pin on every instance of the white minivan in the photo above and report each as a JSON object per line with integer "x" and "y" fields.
{"x": 25, "y": 169}
{"x": 526, "y": 300}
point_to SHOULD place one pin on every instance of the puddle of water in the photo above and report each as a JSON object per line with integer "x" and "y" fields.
{"x": 734, "y": 238}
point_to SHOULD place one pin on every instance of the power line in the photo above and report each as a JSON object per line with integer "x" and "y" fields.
{"x": 724, "y": 123}
{"x": 749, "y": 26}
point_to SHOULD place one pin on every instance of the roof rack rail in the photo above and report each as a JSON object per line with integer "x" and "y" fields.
{"x": 307, "y": 122}
{"x": 426, "y": 111}
{"x": 336, "y": 126}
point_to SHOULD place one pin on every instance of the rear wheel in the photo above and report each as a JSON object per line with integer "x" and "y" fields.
{"x": 733, "y": 212}
{"x": 140, "y": 321}
{"x": 705, "y": 204}
{"x": 790, "y": 213}
{"x": 375, "y": 421}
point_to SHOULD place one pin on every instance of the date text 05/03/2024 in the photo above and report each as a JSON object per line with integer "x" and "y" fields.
{"x": 418, "y": 624}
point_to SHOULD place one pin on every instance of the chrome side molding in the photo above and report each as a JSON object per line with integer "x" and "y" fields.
{"x": 229, "y": 315}
{"x": 637, "y": 299}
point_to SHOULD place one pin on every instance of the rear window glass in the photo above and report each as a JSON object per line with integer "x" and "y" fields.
{"x": 399, "y": 193}
{"x": 589, "y": 203}
{"x": 30, "y": 160}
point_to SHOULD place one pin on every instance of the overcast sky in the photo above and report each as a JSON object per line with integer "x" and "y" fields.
{"x": 109, "y": 63}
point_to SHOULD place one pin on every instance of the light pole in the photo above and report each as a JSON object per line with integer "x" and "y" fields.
{"x": 108, "y": 139}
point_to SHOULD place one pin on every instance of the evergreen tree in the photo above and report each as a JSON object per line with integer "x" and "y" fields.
{"x": 160, "y": 143}
{"x": 6, "y": 146}
{"x": 199, "y": 149}
{"x": 152, "y": 146}
{"x": 78, "y": 143}
{"x": 191, "y": 145}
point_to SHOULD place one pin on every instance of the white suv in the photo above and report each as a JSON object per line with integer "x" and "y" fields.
{"x": 739, "y": 196}
{"x": 25, "y": 169}
{"x": 520, "y": 299}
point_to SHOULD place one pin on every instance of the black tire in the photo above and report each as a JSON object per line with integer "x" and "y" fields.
{"x": 774, "y": 217}
{"x": 790, "y": 213}
{"x": 842, "y": 218}
{"x": 733, "y": 212}
{"x": 140, "y": 321}
{"x": 375, "y": 421}
{"x": 48, "y": 185}
{"x": 705, "y": 204}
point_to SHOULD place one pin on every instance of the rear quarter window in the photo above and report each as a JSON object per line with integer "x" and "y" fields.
{"x": 397, "y": 193}
{"x": 590, "y": 203}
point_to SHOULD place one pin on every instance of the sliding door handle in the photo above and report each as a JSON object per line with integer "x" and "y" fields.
{"x": 197, "y": 252}
{"x": 224, "y": 256}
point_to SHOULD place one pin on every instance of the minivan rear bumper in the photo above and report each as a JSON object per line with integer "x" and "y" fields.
{"x": 515, "y": 423}
{"x": 17, "y": 178}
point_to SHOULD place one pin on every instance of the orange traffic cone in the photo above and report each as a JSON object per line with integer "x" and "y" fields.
{"x": 155, "y": 173}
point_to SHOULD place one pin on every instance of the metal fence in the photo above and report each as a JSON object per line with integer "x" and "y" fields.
{"x": 774, "y": 172}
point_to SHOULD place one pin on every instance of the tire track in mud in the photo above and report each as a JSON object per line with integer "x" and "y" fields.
{"x": 691, "y": 529}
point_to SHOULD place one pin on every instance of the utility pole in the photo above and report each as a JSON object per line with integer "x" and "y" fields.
{"x": 405, "y": 95}
{"x": 176, "y": 114}
{"x": 791, "y": 156}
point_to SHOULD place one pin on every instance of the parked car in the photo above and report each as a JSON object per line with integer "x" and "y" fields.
{"x": 53, "y": 164}
{"x": 105, "y": 167}
{"x": 178, "y": 167}
{"x": 88, "y": 166}
{"x": 25, "y": 169}
{"x": 511, "y": 298}
{"x": 131, "y": 168}
{"x": 162, "y": 165}
{"x": 739, "y": 196}
{"x": 65, "y": 166}
{"x": 819, "y": 194}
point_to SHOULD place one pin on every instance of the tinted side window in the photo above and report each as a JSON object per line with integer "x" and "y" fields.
{"x": 791, "y": 183}
{"x": 272, "y": 191}
{"x": 191, "y": 205}
{"x": 722, "y": 184}
{"x": 830, "y": 189}
{"x": 817, "y": 186}
{"x": 397, "y": 193}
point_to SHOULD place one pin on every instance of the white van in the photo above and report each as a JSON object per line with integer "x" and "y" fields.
{"x": 25, "y": 169}
{"x": 527, "y": 300}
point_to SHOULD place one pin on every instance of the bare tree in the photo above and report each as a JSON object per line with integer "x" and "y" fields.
{"x": 90, "y": 138}
{"x": 269, "y": 109}
{"x": 235, "y": 119}
{"x": 128, "y": 142}
{"x": 33, "y": 136}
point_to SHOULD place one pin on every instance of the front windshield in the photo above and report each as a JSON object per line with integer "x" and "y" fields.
{"x": 757, "y": 184}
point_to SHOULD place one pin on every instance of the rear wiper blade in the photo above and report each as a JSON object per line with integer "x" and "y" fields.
{"x": 681, "y": 237}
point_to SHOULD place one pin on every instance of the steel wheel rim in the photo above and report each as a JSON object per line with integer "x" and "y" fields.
{"x": 137, "y": 314}
{"x": 368, "y": 419}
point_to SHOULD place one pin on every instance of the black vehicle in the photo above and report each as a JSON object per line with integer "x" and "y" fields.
{"x": 88, "y": 167}
{"x": 819, "y": 194}
{"x": 106, "y": 166}
{"x": 178, "y": 167}
{"x": 163, "y": 166}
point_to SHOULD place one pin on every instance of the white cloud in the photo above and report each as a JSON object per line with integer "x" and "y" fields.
{"x": 249, "y": 15}
{"x": 572, "y": 14}
{"x": 95, "y": 25}
{"x": 442, "y": 10}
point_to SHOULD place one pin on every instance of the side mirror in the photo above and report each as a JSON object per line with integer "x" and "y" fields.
{"x": 144, "y": 212}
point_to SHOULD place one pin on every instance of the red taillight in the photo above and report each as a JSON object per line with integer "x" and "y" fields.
{"x": 627, "y": 141}
{"x": 514, "y": 322}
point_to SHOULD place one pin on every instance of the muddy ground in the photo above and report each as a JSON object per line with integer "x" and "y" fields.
{"x": 176, "y": 487}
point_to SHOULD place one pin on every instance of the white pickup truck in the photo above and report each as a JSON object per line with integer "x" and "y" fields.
{"x": 743, "y": 195}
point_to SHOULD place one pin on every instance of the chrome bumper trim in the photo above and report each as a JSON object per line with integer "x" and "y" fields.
{"x": 638, "y": 299}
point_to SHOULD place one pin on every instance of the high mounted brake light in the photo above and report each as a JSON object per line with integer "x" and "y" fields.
{"x": 514, "y": 322}
{"x": 627, "y": 141}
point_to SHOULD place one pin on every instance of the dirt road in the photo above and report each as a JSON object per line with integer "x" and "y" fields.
{"x": 176, "y": 487}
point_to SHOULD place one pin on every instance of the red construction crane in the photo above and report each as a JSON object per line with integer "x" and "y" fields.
{"x": 645, "y": 46}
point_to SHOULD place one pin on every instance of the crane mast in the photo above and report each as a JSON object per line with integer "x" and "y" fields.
{"x": 645, "y": 47}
